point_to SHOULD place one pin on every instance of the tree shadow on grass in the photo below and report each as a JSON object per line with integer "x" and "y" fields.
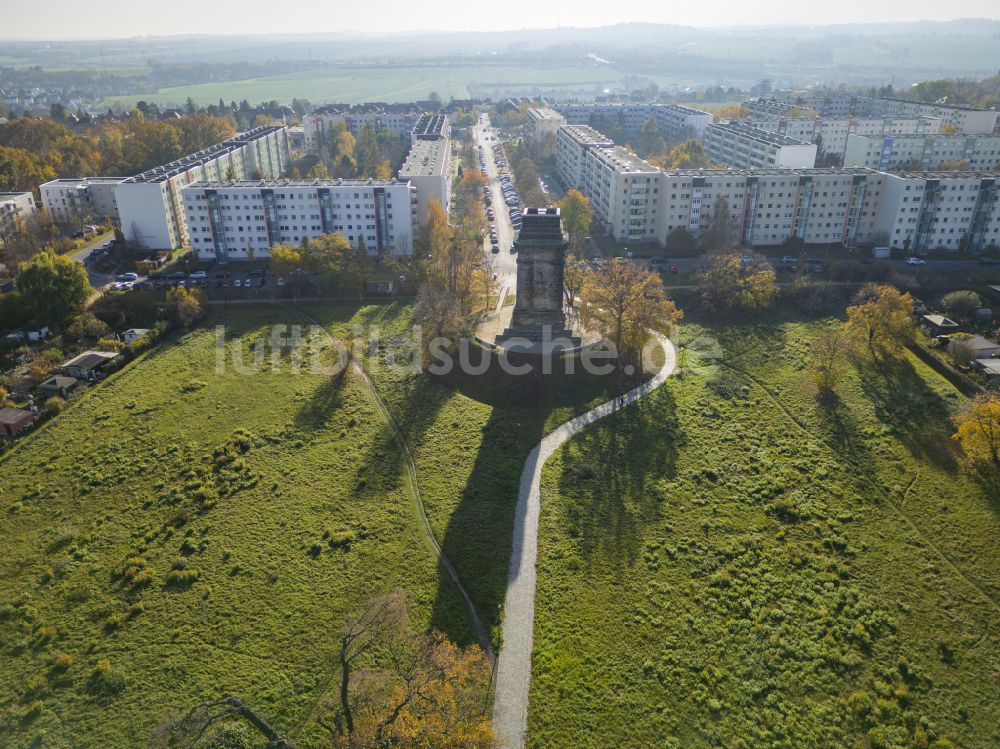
{"x": 610, "y": 478}
{"x": 916, "y": 415}
{"x": 326, "y": 399}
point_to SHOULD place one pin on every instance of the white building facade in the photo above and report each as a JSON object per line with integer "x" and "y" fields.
{"x": 241, "y": 220}
{"x": 923, "y": 152}
{"x": 830, "y": 135}
{"x": 741, "y": 146}
{"x": 572, "y": 144}
{"x": 16, "y": 207}
{"x": 540, "y": 129}
{"x": 73, "y": 201}
{"x": 398, "y": 119}
{"x": 968, "y": 120}
{"x": 674, "y": 121}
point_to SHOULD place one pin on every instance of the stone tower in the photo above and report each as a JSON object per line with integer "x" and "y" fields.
{"x": 541, "y": 256}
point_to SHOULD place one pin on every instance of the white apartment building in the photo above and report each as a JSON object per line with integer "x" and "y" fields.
{"x": 624, "y": 193}
{"x": 399, "y": 119}
{"x": 239, "y": 220}
{"x": 428, "y": 169}
{"x": 923, "y": 152}
{"x": 967, "y": 120}
{"x": 830, "y": 135}
{"x": 922, "y": 211}
{"x": 75, "y": 201}
{"x": 149, "y": 205}
{"x": 540, "y": 130}
{"x": 14, "y": 207}
{"x": 741, "y": 146}
{"x": 572, "y": 144}
{"x": 673, "y": 121}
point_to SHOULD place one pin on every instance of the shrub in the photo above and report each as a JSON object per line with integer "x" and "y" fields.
{"x": 62, "y": 662}
{"x": 35, "y": 687}
{"x": 54, "y": 405}
{"x": 182, "y": 578}
{"x": 107, "y": 679}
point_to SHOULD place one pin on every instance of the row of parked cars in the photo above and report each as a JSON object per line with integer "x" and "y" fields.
{"x": 499, "y": 156}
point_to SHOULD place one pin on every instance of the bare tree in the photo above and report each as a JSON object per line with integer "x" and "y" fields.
{"x": 192, "y": 727}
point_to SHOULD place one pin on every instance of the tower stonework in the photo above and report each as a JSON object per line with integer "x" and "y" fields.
{"x": 538, "y": 313}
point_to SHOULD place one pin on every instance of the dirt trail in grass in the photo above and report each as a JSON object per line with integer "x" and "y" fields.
{"x": 414, "y": 487}
{"x": 893, "y": 502}
{"x": 513, "y": 673}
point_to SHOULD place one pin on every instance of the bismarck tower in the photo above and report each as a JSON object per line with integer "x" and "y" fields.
{"x": 538, "y": 315}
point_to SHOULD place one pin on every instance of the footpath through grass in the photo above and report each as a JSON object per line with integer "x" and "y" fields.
{"x": 730, "y": 564}
{"x": 182, "y": 534}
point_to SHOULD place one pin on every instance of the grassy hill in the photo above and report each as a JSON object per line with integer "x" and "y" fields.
{"x": 732, "y": 564}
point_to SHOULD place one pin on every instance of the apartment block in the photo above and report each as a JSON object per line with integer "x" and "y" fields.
{"x": 149, "y": 204}
{"x": 927, "y": 210}
{"x": 240, "y": 220}
{"x": 966, "y": 120}
{"x": 830, "y": 135}
{"x": 742, "y": 146}
{"x": 540, "y": 130}
{"x": 428, "y": 169}
{"x": 572, "y": 144}
{"x": 929, "y": 152}
{"x": 14, "y": 207}
{"x": 624, "y": 193}
{"x": 673, "y": 121}
{"x": 74, "y": 201}
{"x": 398, "y": 119}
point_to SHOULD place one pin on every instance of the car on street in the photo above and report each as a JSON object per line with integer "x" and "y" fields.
{"x": 199, "y": 275}
{"x": 177, "y": 276}
{"x": 789, "y": 259}
{"x": 915, "y": 261}
{"x": 237, "y": 283}
{"x": 127, "y": 277}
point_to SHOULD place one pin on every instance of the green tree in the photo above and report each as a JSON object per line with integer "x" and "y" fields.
{"x": 880, "y": 320}
{"x": 576, "y": 219}
{"x": 718, "y": 235}
{"x": 53, "y": 288}
{"x": 728, "y": 284}
{"x": 961, "y": 304}
{"x": 681, "y": 241}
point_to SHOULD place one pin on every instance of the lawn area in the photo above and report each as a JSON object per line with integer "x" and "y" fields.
{"x": 730, "y": 564}
{"x": 181, "y": 534}
{"x": 469, "y": 435}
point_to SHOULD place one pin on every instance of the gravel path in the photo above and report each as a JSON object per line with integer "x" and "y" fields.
{"x": 513, "y": 678}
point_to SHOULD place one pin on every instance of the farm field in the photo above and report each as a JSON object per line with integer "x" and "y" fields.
{"x": 355, "y": 84}
{"x": 179, "y": 535}
{"x": 730, "y": 564}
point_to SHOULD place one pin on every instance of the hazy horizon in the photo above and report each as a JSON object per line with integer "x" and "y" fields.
{"x": 62, "y": 20}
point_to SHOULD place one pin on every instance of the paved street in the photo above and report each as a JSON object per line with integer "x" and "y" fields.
{"x": 504, "y": 263}
{"x": 97, "y": 279}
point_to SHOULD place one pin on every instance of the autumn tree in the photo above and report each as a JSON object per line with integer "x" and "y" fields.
{"x": 53, "y": 288}
{"x": 961, "y": 304}
{"x": 829, "y": 356}
{"x": 185, "y": 306}
{"x": 978, "y": 428}
{"x": 626, "y": 303}
{"x": 575, "y": 275}
{"x": 576, "y": 219}
{"x": 880, "y": 319}
{"x": 342, "y": 151}
{"x": 427, "y": 692}
{"x": 731, "y": 282}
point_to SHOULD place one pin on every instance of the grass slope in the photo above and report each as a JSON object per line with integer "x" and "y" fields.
{"x": 281, "y": 490}
{"x": 729, "y": 564}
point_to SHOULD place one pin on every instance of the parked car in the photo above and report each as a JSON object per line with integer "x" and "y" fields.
{"x": 915, "y": 261}
{"x": 237, "y": 283}
{"x": 199, "y": 275}
{"x": 127, "y": 277}
{"x": 177, "y": 276}
{"x": 788, "y": 259}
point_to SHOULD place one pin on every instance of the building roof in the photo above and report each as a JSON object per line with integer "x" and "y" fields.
{"x": 431, "y": 126}
{"x": 57, "y": 382}
{"x": 136, "y": 331}
{"x": 743, "y": 130}
{"x": 940, "y": 321}
{"x": 14, "y": 416}
{"x": 275, "y": 183}
{"x": 626, "y": 161}
{"x": 181, "y": 165}
{"x": 587, "y": 136}
{"x": 989, "y": 366}
{"x": 426, "y": 158}
{"x": 91, "y": 359}
{"x": 978, "y": 343}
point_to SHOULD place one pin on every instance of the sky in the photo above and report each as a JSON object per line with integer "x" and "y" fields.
{"x": 73, "y": 19}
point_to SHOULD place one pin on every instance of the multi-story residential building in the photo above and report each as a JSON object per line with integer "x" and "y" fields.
{"x": 15, "y": 207}
{"x": 149, "y": 204}
{"x": 922, "y": 211}
{"x": 540, "y": 128}
{"x": 428, "y": 168}
{"x": 73, "y": 201}
{"x": 742, "y": 146}
{"x": 673, "y": 121}
{"x": 624, "y": 193}
{"x": 768, "y": 206}
{"x": 830, "y": 135}
{"x": 399, "y": 119}
{"x": 968, "y": 120}
{"x": 431, "y": 127}
{"x": 572, "y": 144}
{"x": 240, "y": 220}
{"x": 773, "y": 109}
{"x": 931, "y": 152}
